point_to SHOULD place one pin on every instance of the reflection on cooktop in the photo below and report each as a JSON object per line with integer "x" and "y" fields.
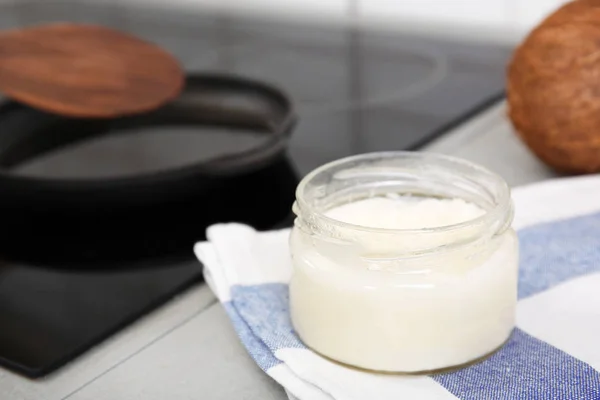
{"x": 48, "y": 316}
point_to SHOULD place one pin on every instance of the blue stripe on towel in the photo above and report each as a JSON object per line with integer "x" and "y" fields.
{"x": 265, "y": 308}
{"x": 554, "y": 252}
{"x": 257, "y": 349}
{"x": 525, "y": 368}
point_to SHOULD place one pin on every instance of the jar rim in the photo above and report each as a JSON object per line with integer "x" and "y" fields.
{"x": 502, "y": 202}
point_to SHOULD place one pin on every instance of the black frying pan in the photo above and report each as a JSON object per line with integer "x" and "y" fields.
{"x": 73, "y": 223}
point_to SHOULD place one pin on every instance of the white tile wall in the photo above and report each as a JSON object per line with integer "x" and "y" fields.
{"x": 477, "y": 19}
{"x": 303, "y": 8}
{"x": 470, "y": 12}
{"x": 508, "y": 20}
{"x": 529, "y": 12}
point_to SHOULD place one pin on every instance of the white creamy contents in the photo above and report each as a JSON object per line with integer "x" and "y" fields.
{"x": 405, "y": 212}
{"x": 370, "y": 306}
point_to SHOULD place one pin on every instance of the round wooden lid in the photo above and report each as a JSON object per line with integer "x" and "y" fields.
{"x": 86, "y": 71}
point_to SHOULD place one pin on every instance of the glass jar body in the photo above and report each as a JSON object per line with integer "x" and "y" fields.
{"x": 400, "y": 301}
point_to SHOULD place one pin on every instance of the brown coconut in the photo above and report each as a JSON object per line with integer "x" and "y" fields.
{"x": 553, "y": 89}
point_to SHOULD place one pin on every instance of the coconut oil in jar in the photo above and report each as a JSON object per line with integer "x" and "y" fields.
{"x": 403, "y": 262}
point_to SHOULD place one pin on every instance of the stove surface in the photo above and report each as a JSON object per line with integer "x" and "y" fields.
{"x": 354, "y": 91}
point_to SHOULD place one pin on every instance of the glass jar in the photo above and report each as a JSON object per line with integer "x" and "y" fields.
{"x": 403, "y": 300}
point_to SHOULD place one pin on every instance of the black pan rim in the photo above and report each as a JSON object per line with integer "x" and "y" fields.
{"x": 242, "y": 162}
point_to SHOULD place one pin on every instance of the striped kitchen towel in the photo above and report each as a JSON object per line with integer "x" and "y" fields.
{"x": 553, "y": 354}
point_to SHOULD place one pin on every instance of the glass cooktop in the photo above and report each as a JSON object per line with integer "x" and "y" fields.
{"x": 354, "y": 91}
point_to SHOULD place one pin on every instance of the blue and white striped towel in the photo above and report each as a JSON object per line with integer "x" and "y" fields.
{"x": 553, "y": 354}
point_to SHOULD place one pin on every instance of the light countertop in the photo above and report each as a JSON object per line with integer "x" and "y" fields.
{"x": 188, "y": 350}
